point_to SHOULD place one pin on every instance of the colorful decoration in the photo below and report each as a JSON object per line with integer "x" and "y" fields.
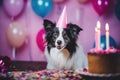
{"x": 101, "y": 6}
{"x": 82, "y": 1}
{"x": 44, "y": 75}
{"x": 40, "y": 39}
{"x": 16, "y": 35}
{"x": 117, "y": 10}
{"x": 13, "y": 7}
{"x": 42, "y": 7}
{"x": 62, "y": 22}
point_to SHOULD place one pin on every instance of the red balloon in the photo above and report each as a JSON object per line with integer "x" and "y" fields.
{"x": 40, "y": 39}
{"x": 101, "y": 6}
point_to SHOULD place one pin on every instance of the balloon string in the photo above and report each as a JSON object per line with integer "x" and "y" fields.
{"x": 13, "y": 53}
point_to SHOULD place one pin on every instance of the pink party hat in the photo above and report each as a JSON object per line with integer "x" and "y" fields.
{"x": 62, "y": 22}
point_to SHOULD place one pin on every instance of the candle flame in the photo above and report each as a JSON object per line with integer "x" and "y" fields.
{"x": 98, "y": 24}
{"x": 107, "y": 27}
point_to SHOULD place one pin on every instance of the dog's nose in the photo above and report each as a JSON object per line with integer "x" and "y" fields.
{"x": 59, "y": 42}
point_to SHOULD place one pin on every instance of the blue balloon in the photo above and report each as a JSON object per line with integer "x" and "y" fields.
{"x": 42, "y": 7}
{"x": 103, "y": 42}
{"x": 117, "y": 10}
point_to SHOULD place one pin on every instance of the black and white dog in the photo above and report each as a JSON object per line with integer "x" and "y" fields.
{"x": 63, "y": 50}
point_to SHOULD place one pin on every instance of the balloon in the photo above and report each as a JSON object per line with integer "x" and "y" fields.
{"x": 58, "y": 1}
{"x": 117, "y": 10}
{"x": 16, "y": 35}
{"x": 101, "y": 6}
{"x": 103, "y": 42}
{"x": 42, "y": 7}
{"x": 83, "y": 1}
{"x": 13, "y": 7}
{"x": 40, "y": 39}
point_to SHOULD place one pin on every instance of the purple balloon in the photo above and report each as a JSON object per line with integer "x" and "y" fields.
{"x": 101, "y": 6}
{"x": 13, "y": 7}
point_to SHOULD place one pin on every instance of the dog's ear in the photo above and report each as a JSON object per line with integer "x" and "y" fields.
{"x": 75, "y": 29}
{"x": 48, "y": 25}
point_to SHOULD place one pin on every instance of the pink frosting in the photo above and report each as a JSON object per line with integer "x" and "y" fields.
{"x": 109, "y": 51}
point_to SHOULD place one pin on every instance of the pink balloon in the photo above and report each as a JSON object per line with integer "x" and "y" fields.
{"x": 40, "y": 39}
{"x": 13, "y": 7}
{"x": 16, "y": 35}
{"x": 101, "y": 6}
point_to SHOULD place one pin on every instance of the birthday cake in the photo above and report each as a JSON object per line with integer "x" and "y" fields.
{"x": 104, "y": 61}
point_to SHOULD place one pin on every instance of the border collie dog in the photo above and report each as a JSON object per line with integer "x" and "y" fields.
{"x": 63, "y": 50}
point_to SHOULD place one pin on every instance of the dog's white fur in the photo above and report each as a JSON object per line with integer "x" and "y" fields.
{"x": 56, "y": 59}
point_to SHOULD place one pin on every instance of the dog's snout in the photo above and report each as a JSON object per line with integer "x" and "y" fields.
{"x": 59, "y": 42}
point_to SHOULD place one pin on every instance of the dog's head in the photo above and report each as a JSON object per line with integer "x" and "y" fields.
{"x": 60, "y": 37}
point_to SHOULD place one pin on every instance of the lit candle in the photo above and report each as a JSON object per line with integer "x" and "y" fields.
{"x": 107, "y": 36}
{"x": 98, "y": 36}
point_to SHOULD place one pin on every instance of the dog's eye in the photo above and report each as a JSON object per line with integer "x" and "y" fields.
{"x": 55, "y": 34}
{"x": 64, "y": 33}
{"x": 65, "y": 36}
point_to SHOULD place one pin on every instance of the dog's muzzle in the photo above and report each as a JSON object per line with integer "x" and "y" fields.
{"x": 59, "y": 44}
